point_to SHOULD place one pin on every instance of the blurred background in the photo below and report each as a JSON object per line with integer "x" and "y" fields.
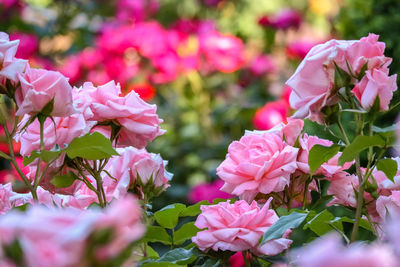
{"x": 214, "y": 68}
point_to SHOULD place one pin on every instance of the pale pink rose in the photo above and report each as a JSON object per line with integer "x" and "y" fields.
{"x": 38, "y": 88}
{"x": 59, "y": 131}
{"x": 208, "y": 192}
{"x": 10, "y": 66}
{"x": 134, "y": 164}
{"x": 258, "y": 163}
{"x": 124, "y": 217}
{"x": 375, "y": 83}
{"x": 237, "y": 227}
{"x": 59, "y": 237}
{"x": 224, "y": 52}
{"x": 138, "y": 119}
{"x": 367, "y": 50}
{"x": 342, "y": 188}
{"x": 329, "y": 251}
{"x": 388, "y": 206}
{"x": 6, "y": 198}
{"x": 289, "y": 130}
{"x": 327, "y": 169}
{"x": 313, "y": 81}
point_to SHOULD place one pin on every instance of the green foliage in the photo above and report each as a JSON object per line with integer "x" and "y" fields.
{"x": 388, "y": 166}
{"x": 92, "y": 146}
{"x": 64, "y": 180}
{"x": 284, "y": 223}
{"x": 323, "y": 222}
{"x": 45, "y": 155}
{"x": 320, "y": 154}
{"x": 168, "y": 216}
{"x": 359, "y": 144}
{"x": 186, "y": 232}
{"x": 157, "y": 234}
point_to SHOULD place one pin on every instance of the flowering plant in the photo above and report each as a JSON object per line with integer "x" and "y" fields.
{"x": 89, "y": 181}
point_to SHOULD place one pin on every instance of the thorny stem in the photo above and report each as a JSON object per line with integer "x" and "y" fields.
{"x": 14, "y": 162}
{"x": 36, "y": 181}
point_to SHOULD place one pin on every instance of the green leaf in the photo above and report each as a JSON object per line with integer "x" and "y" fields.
{"x": 91, "y": 146}
{"x": 389, "y": 167}
{"x": 65, "y": 180}
{"x": 151, "y": 253}
{"x": 363, "y": 223}
{"x": 210, "y": 263}
{"x": 377, "y": 129}
{"x": 157, "y": 234}
{"x": 342, "y": 78}
{"x": 179, "y": 256}
{"x": 194, "y": 210}
{"x": 321, "y": 223}
{"x": 187, "y": 231}
{"x": 359, "y": 144}
{"x": 168, "y": 216}
{"x": 150, "y": 263}
{"x": 284, "y": 223}
{"x": 320, "y": 154}
{"x": 45, "y": 155}
{"x": 4, "y": 155}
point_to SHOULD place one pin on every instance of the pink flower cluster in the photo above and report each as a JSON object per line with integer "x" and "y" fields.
{"x": 313, "y": 82}
{"x": 263, "y": 162}
{"x": 238, "y": 227}
{"x": 159, "y": 54}
{"x": 62, "y": 237}
{"x": 329, "y": 251}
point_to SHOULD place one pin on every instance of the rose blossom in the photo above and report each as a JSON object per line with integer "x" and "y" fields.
{"x": 237, "y": 227}
{"x": 224, "y": 52}
{"x": 38, "y": 88}
{"x": 59, "y": 131}
{"x": 28, "y": 46}
{"x": 388, "y": 206}
{"x": 258, "y": 163}
{"x": 138, "y": 120}
{"x": 313, "y": 81}
{"x": 375, "y": 83}
{"x": 59, "y": 237}
{"x": 270, "y": 115}
{"x": 9, "y": 65}
{"x": 134, "y": 164}
{"x": 329, "y": 251}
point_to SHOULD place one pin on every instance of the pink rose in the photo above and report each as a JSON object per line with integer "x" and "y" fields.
{"x": 138, "y": 120}
{"x": 59, "y": 237}
{"x": 224, "y": 52}
{"x": 329, "y": 251}
{"x": 208, "y": 192}
{"x": 327, "y": 169}
{"x": 270, "y": 115}
{"x": 313, "y": 81}
{"x": 237, "y": 227}
{"x": 388, "y": 206}
{"x": 124, "y": 217}
{"x": 61, "y": 131}
{"x": 258, "y": 163}
{"x": 261, "y": 65}
{"x": 38, "y": 88}
{"x": 9, "y": 65}
{"x": 375, "y": 83}
{"x": 342, "y": 188}
{"x": 290, "y": 130}
{"x": 134, "y": 164}
{"x": 6, "y": 198}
